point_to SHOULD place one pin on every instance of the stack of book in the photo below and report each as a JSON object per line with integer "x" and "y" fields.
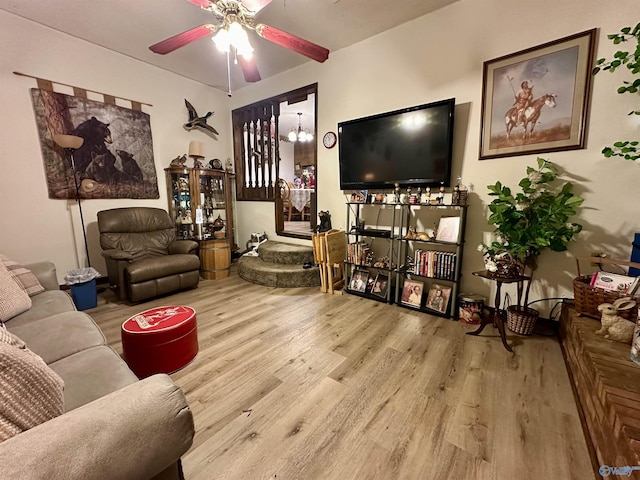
{"x": 435, "y": 264}
{"x": 357, "y": 253}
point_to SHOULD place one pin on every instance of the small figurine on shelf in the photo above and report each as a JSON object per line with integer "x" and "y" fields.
{"x": 408, "y": 197}
{"x": 197, "y": 163}
{"x": 384, "y": 262}
{"x": 369, "y": 258}
{"x": 183, "y": 184}
{"x": 411, "y": 233}
{"x": 441, "y": 195}
{"x": 463, "y": 193}
{"x": 427, "y": 195}
{"x": 179, "y": 161}
{"x": 396, "y": 193}
{"x": 187, "y": 220}
{"x": 419, "y": 195}
{"x": 229, "y": 165}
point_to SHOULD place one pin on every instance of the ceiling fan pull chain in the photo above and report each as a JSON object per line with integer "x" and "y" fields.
{"x": 229, "y": 94}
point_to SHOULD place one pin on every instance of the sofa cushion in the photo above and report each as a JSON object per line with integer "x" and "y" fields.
{"x": 44, "y": 305}
{"x": 60, "y": 335}
{"x": 23, "y": 276}
{"x": 91, "y": 374}
{"x": 13, "y": 300}
{"x": 163, "y": 266}
{"x": 31, "y": 393}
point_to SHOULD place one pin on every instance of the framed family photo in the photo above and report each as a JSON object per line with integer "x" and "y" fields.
{"x": 359, "y": 280}
{"x": 536, "y": 100}
{"x": 438, "y": 298}
{"x": 380, "y": 285}
{"x": 412, "y": 293}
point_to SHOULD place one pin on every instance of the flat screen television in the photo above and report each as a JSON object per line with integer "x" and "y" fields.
{"x": 411, "y": 146}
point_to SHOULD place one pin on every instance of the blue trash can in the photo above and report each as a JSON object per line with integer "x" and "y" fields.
{"x": 85, "y": 295}
{"x": 83, "y": 287}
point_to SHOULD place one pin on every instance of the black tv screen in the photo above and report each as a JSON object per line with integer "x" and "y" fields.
{"x": 411, "y": 146}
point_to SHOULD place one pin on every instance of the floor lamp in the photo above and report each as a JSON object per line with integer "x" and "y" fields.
{"x": 71, "y": 143}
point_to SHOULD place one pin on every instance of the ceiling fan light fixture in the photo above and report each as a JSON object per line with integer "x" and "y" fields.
{"x": 222, "y": 40}
{"x": 235, "y": 36}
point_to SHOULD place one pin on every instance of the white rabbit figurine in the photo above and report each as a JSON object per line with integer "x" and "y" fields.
{"x": 614, "y": 326}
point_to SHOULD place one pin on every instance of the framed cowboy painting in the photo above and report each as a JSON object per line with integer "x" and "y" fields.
{"x": 536, "y": 100}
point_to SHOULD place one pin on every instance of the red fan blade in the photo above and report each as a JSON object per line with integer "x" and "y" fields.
{"x": 249, "y": 69}
{"x": 200, "y": 3}
{"x": 182, "y": 39}
{"x": 255, "y": 5}
{"x": 297, "y": 44}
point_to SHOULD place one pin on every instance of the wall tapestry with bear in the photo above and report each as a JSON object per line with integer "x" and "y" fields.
{"x": 116, "y": 157}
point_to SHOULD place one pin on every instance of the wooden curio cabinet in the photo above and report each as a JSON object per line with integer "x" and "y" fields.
{"x": 201, "y": 204}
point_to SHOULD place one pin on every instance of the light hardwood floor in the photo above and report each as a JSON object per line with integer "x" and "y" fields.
{"x": 296, "y": 384}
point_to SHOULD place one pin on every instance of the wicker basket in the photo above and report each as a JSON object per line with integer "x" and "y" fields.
{"x": 587, "y": 298}
{"x": 521, "y": 321}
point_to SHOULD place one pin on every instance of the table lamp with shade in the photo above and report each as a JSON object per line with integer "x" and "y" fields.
{"x": 70, "y": 143}
{"x": 196, "y": 150}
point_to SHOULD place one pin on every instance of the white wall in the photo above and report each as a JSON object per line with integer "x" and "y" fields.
{"x": 440, "y": 56}
{"x": 431, "y": 58}
{"x": 33, "y": 227}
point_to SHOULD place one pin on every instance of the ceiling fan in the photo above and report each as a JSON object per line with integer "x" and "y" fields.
{"x": 233, "y": 16}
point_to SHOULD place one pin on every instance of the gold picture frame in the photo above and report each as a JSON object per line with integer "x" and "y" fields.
{"x": 536, "y": 100}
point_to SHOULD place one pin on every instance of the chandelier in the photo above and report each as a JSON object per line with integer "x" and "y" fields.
{"x": 300, "y": 135}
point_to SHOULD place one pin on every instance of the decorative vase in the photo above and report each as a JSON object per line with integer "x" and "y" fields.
{"x": 521, "y": 320}
{"x": 218, "y": 224}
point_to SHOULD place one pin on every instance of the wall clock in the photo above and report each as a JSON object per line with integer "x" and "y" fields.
{"x": 329, "y": 140}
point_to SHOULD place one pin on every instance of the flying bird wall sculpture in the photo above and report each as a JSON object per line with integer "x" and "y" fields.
{"x": 198, "y": 122}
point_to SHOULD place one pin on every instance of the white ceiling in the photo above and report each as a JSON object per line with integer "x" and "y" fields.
{"x": 131, "y": 26}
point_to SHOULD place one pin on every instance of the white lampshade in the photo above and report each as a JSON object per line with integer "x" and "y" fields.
{"x": 68, "y": 141}
{"x": 196, "y": 149}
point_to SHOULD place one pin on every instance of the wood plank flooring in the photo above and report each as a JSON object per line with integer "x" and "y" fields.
{"x": 296, "y": 384}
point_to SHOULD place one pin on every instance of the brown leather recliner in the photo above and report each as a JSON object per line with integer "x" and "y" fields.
{"x": 143, "y": 257}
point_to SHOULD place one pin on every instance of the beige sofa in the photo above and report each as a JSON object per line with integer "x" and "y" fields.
{"x": 114, "y": 426}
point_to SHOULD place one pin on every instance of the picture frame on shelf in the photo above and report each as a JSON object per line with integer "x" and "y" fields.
{"x": 537, "y": 100}
{"x": 412, "y": 293}
{"x": 380, "y": 285}
{"x": 370, "y": 282}
{"x": 359, "y": 196}
{"x": 438, "y": 298}
{"x": 358, "y": 282}
{"x": 448, "y": 229}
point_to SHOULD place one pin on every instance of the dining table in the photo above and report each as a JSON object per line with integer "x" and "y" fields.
{"x": 300, "y": 197}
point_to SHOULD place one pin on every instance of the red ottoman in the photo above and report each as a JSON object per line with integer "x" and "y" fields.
{"x": 160, "y": 340}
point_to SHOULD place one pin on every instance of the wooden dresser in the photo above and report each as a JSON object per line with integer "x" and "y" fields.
{"x": 607, "y": 388}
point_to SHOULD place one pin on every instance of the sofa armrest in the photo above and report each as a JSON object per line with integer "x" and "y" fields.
{"x": 133, "y": 433}
{"x": 183, "y": 246}
{"x": 45, "y": 272}
{"x": 117, "y": 254}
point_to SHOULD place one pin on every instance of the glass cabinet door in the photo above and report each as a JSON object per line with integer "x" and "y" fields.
{"x": 180, "y": 201}
{"x": 213, "y": 203}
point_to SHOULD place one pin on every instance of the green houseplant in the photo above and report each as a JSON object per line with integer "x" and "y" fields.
{"x": 628, "y": 149}
{"x": 529, "y": 222}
